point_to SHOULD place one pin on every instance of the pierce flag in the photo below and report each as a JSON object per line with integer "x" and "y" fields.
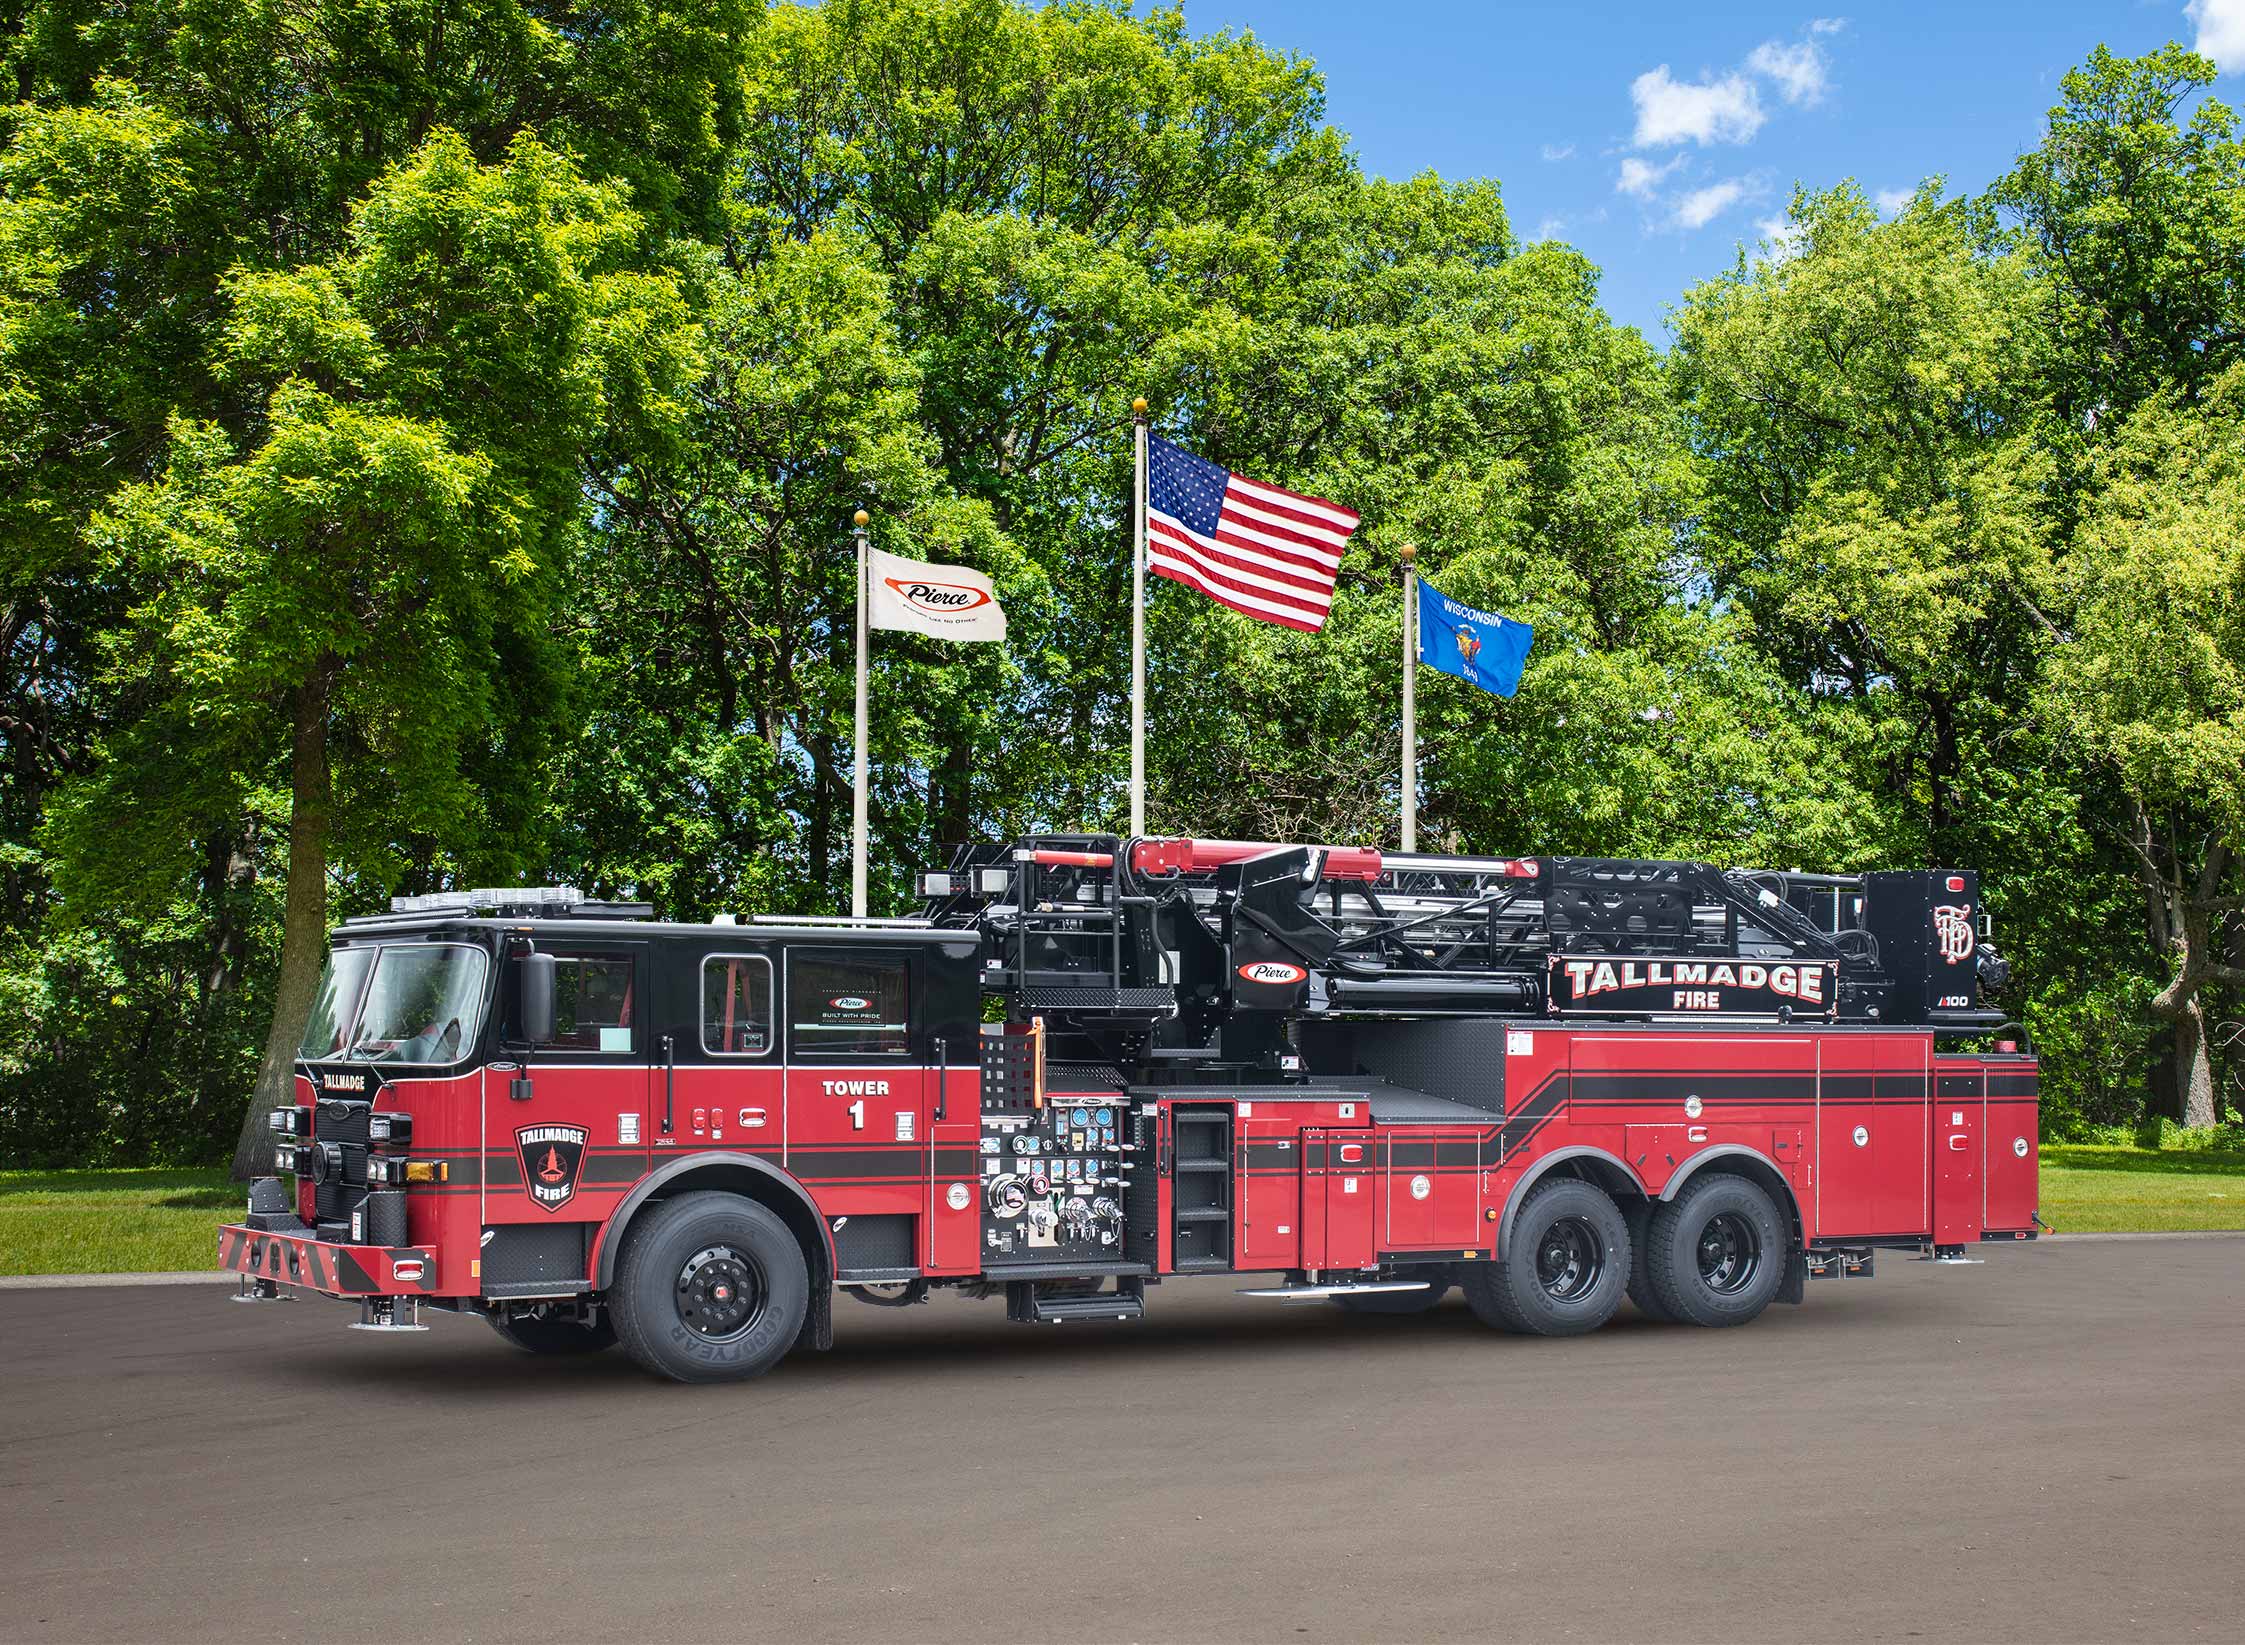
{"x": 948, "y": 602}
{"x": 1478, "y": 646}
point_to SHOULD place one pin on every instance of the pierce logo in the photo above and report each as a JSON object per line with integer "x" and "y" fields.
{"x": 552, "y": 1155}
{"x": 1272, "y": 973}
{"x": 849, "y": 1002}
{"x": 1952, "y": 929}
{"x": 941, "y": 599}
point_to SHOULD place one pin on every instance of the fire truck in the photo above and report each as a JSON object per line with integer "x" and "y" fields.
{"x": 1093, "y": 1063}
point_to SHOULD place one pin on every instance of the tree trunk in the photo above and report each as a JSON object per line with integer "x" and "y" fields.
{"x": 2194, "y": 1067}
{"x": 303, "y": 927}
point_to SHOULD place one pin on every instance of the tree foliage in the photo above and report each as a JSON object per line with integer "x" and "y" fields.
{"x": 428, "y": 431}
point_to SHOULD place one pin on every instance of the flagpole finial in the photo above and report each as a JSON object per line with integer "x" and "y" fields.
{"x": 1138, "y": 407}
{"x": 859, "y": 518}
{"x": 1407, "y": 553}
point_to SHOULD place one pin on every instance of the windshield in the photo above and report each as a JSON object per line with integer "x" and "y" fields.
{"x": 422, "y": 1003}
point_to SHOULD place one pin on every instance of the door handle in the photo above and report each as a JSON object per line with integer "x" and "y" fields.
{"x": 942, "y": 1072}
{"x": 670, "y": 1081}
{"x": 1959, "y": 1141}
{"x": 752, "y": 1119}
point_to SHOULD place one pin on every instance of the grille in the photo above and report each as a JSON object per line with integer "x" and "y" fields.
{"x": 535, "y": 1259}
{"x": 875, "y": 1242}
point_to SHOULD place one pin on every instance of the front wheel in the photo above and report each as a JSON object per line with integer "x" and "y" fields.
{"x": 1564, "y": 1266}
{"x": 709, "y": 1287}
{"x": 1717, "y": 1251}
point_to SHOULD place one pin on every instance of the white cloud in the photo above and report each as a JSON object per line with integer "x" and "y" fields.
{"x": 1559, "y": 151}
{"x": 1698, "y": 207}
{"x": 1669, "y": 110}
{"x": 1891, "y": 200}
{"x": 1826, "y": 25}
{"x": 1641, "y": 177}
{"x": 1797, "y": 69}
{"x": 1783, "y": 236}
{"x": 1552, "y": 228}
{"x": 2221, "y": 32}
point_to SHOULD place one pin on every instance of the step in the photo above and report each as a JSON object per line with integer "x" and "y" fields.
{"x": 1027, "y": 1305}
{"x": 1205, "y": 1213}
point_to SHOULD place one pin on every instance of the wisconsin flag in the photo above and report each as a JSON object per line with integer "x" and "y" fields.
{"x": 1479, "y": 646}
{"x": 948, "y": 602}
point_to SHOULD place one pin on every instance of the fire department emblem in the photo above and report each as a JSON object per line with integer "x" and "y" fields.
{"x": 551, "y": 1157}
{"x": 1952, "y": 929}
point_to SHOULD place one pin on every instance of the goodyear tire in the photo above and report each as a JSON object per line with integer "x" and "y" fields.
{"x": 538, "y": 1334}
{"x": 709, "y": 1287}
{"x": 1639, "y": 1214}
{"x": 1564, "y": 1267}
{"x": 1402, "y": 1302}
{"x": 1716, "y": 1253}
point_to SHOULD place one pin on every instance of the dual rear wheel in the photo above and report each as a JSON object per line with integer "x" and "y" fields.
{"x": 1715, "y": 1255}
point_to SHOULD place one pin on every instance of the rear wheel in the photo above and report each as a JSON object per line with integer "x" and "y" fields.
{"x": 1640, "y": 1215}
{"x": 1564, "y": 1266}
{"x": 545, "y": 1333}
{"x": 1716, "y": 1253}
{"x": 1401, "y": 1302}
{"x": 709, "y": 1288}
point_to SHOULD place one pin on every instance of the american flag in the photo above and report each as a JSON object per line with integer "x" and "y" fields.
{"x": 1257, "y": 548}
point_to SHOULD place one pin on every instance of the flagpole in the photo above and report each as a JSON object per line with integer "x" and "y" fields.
{"x": 858, "y": 756}
{"x": 1407, "y": 553}
{"x": 1138, "y": 622}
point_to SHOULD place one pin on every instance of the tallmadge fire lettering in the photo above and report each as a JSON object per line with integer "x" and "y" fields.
{"x": 1725, "y": 987}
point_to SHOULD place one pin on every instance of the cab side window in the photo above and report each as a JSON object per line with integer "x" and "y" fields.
{"x": 595, "y": 1004}
{"x": 844, "y": 1008}
{"x": 736, "y": 1005}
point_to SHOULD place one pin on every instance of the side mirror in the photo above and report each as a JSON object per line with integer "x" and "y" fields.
{"x": 537, "y": 998}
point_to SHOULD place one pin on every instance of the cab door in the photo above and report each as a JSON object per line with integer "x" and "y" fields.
{"x": 1960, "y": 1119}
{"x": 857, "y": 1092}
{"x": 567, "y": 1130}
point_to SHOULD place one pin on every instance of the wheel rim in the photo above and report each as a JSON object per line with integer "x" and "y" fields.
{"x": 1730, "y": 1253}
{"x": 721, "y": 1293}
{"x": 1570, "y": 1258}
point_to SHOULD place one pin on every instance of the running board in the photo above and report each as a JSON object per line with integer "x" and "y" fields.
{"x": 1309, "y": 1293}
{"x": 1027, "y": 1305}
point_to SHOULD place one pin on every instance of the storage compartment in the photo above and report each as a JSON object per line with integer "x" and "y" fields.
{"x": 1201, "y": 1191}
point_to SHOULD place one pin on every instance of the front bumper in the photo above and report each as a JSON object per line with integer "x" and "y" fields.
{"x": 336, "y": 1270}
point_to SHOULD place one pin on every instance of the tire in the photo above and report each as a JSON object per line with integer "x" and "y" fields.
{"x": 538, "y": 1334}
{"x": 1401, "y": 1302}
{"x": 709, "y": 1287}
{"x": 1639, "y": 1214}
{"x": 1564, "y": 1267}
{"x": 1717, "y": 1252}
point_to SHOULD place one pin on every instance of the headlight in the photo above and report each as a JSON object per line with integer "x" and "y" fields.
{"x": 284, "y": 1158}
{"x": 397, "y": 1128}
{"x": 287, "y": 1122}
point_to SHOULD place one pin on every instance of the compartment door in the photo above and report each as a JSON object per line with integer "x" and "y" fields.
{"x": 1959, "y": 1128}
{"x": 2010, "y": 1168}
{"x": 1351, "y": 1192}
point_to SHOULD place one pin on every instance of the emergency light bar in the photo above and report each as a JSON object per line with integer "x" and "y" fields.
{"x": 503, "y": 896}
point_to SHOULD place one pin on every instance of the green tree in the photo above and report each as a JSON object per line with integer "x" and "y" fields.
{"x": 2132, "y": 222}
{"x": 355, "y": 574}
{"x": 2153, "y": 683}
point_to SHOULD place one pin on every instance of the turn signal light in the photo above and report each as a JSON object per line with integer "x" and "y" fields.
{"x": 385, "y": 1172}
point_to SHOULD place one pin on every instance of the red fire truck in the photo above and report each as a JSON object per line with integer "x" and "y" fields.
{"x": 1092, "y": 1063}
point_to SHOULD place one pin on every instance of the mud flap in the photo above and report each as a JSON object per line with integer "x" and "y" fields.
{"x": 1794, "y": 1287}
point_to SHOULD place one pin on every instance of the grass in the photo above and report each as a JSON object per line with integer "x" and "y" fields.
{"x": 130, "y": 1222}
{"x": 2092, "y": 1190}
{"x": 113, "y": 1222}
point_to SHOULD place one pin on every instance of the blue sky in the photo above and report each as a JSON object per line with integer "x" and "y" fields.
{"x": 1657, "y": 137}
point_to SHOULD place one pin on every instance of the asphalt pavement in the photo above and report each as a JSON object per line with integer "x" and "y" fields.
{"x": 2044, "y": 1448}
